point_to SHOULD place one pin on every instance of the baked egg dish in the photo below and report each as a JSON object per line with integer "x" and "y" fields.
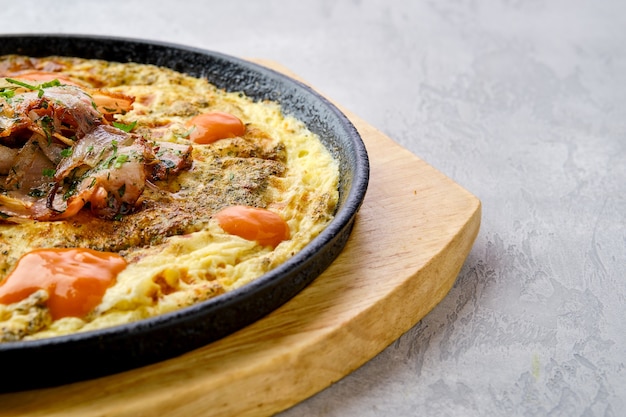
{"x": 130, "y": 190}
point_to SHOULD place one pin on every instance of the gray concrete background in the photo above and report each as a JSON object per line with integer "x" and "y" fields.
{"x": 523, "y": 103}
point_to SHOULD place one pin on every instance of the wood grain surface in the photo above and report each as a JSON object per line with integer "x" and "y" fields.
{"x": 410, "y": 239}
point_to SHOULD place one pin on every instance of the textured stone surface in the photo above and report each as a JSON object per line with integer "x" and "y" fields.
{"x": 521, "y": 102}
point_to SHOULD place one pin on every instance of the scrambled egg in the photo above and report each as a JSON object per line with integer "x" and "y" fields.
{"x": 177, "y": 252}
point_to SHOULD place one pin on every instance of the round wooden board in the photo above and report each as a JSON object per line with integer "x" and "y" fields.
{"x": 411, "y": 237}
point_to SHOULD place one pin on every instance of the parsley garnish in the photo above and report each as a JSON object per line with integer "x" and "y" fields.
{"x": 48, "y": 172}
{"x": 7, "y": 93}
{"x": 39, "y": 88}
{"x": 36, "y": 192}
{"x": 120, "y": 160}
{"x": 125, "y": 127}
{"x": 22, "y": 84}
{"x": 47, "y": 125}
{"x": 51, "y": 83}
{"x": 186, "y": 134}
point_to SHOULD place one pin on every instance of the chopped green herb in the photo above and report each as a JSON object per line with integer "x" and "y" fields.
{"x": 107, "y": 162}
{"x": 186, "y": 134}
{"x": 51, "y": 83}
{"x": 47, "y": 124}
{"x": 7, "y": 93}
{"x": 36, "y": 192}
{"x": 39, "y": 88}
{"x": 120, "y": 160}
{"x": 125, "y": 127}
{"x": 48, "y": 172}
{"x": 67, "y": 152}
{"x": 111, "y": 201}
{"x": 168, "y": 164}
{"x": 122, "y": 190}
{"x": 71, "y": 190}
{"x": 22, "y": 84}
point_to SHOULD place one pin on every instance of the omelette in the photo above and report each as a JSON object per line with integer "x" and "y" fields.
{"x": 129, "y": 190}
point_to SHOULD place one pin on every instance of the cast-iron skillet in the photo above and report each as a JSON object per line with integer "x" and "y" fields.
{"x": 65, "y": 359}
